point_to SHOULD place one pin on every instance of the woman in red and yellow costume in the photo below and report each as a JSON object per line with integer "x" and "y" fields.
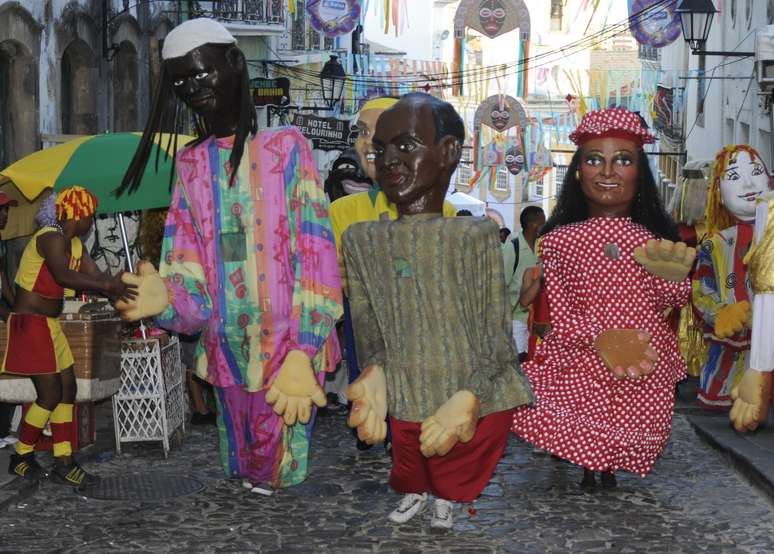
{"x": 54, "y": 264}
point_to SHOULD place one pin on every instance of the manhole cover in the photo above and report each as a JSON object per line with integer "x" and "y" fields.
{"x": 146, "y": 488}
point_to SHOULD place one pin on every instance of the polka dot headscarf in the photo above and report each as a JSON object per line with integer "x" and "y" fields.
{"x": 75, "y": 203}
{"x": 612, "y": 122}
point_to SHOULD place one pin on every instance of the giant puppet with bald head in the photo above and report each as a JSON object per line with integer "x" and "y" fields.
{"x": 431, "y": 318}
{"x": 248, "y": 259}
{"x": 371, "y": 205}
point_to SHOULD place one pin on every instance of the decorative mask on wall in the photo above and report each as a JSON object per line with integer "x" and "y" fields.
{"x": 492, "y": 18}
{"x": 500, "y": 113}
{"x": 514, "y": 160}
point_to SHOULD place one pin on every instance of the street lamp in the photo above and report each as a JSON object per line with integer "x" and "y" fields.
{"x": 696, "y": 20}
{"x": 332, "y": 78}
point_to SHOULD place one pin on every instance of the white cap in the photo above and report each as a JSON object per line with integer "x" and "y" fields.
{"x": 192, "y": 34}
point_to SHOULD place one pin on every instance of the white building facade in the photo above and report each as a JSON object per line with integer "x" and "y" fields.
{"x": 717, "y": 100}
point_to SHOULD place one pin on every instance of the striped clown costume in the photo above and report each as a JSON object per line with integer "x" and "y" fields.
{"x": 36, "y": 343}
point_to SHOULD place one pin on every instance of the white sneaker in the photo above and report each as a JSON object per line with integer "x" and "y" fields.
{"x": 442, "y": 514}
{"x": 410, "y": 505}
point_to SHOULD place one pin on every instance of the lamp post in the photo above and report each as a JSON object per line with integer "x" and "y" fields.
{"x": 332, "y": 78}
{"x": 695, "y": 21}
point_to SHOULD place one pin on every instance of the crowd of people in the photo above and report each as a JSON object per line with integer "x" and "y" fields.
{"x": 452, "y": 333}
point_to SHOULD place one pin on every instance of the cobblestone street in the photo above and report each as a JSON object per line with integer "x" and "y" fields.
{"x": 693, "y": 502}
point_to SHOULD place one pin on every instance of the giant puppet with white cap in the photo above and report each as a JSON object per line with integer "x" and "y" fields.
{"x": 248, "y": 259}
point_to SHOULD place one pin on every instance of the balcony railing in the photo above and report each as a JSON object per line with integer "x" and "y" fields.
{"x": 250, "y": 12}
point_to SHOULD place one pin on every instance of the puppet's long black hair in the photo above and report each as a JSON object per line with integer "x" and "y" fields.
{"x": 647, "y": 210}
{"x": 166, "y": 115}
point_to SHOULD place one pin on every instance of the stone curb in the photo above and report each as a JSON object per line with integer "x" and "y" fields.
{"x": 751, "y": 455}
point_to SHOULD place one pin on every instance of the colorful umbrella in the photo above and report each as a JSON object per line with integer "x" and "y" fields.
{"x": 98, "y": 162}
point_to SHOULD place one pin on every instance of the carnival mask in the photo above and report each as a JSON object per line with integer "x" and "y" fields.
{"x": 491, "y": 15}
{"x": 500, "y": 118}
{"x": 514, "y": 160}
{"x": 744, "y": 180}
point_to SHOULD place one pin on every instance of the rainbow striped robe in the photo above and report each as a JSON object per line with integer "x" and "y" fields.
{"x": 253, "y": 267}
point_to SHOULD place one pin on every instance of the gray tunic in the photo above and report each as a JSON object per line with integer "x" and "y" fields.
{"x": 429, "y": 305}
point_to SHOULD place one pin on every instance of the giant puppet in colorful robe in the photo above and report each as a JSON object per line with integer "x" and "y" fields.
{"x": 721, "y": 287}
{"x": 248, "y": 259}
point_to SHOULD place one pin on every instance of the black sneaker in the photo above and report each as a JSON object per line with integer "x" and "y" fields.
{"x": 71, "y": 474}
{"x": 25, "y": 466}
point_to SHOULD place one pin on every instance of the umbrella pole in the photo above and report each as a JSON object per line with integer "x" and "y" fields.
{"x": 129, "y": 264}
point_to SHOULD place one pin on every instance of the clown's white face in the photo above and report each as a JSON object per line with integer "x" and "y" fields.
{"x": 743, "y": 182}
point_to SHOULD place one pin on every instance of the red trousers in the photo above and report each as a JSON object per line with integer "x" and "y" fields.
{"x": 461, "y": 474}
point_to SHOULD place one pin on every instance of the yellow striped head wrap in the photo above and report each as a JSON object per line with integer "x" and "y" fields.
{"x": 75, "y": 203}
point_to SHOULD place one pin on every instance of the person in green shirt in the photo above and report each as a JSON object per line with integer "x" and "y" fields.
{"x": 531, "y": 219}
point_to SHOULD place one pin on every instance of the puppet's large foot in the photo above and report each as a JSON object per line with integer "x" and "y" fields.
{"x": 443, "y": 511}
{"x": 410, "y": 505}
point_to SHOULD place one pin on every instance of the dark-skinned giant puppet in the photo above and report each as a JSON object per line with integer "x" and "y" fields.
{"x": 431, "y": 320}
{"x": 605, "y": 375}
{"x": 372, "y": 205}
{"x": 248, "y": 259}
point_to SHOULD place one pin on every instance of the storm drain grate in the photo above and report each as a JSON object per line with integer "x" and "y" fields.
{"x": 146, "y": 488}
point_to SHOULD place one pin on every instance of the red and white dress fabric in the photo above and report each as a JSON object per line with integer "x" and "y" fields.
{"x": 583, "y": 414}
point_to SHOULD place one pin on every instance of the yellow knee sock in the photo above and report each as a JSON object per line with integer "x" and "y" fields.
{"x": 31, "y": 427}
{"x": 61, "y": 429}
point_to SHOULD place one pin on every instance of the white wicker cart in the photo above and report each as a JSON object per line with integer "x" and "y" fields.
{"x": 150, "y": 405}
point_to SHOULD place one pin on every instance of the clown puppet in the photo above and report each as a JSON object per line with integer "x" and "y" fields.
{"x": 431, "y": 321}
{"x": 248, "y": 260}
{"x": 721, "y": 287}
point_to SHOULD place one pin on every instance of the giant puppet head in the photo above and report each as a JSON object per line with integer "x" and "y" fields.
{"x": 365, "y": 128}
{"x": 418, "y": 143}
{"x": 203, "y": 69}
{"x": 739, "y": 178}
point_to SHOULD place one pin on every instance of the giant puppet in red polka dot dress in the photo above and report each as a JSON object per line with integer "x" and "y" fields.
{"x": 584, "y": 414}
{"x": 596, "y": 287}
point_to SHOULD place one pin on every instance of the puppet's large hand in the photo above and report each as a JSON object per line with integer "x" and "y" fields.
{"x": 454, "y": 421}
{"x": 151, "y": 297}
{"x": 732, "y": 319}
{"x": 627, "y": 352}
{"x": 666, "y": 259}
{"x": 294, "y": 389}
{"x": 751, "y": 400}
{"x": 368, "y": 394}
